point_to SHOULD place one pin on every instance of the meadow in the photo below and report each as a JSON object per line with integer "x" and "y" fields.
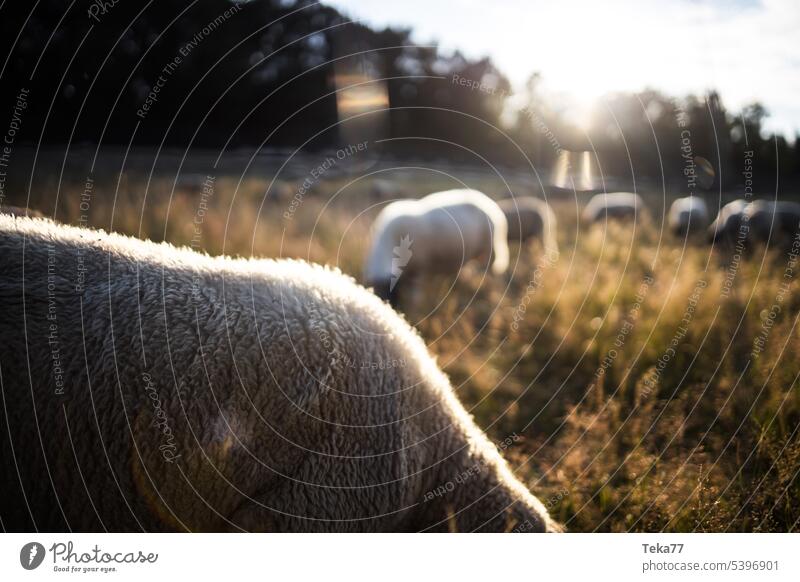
{"x": 645, "y": 383}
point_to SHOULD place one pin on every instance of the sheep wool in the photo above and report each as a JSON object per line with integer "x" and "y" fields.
{"x": 726, "y": 226}
{"x": 149, "y": 387}
{"x": 436, "y": 234}
{"x": 530, "y": 218}
{"x": 687, "y": 214}
{"x": 740, "y": 224}
{"x": 774, "y": 222}
{"x": 613, "y": 205}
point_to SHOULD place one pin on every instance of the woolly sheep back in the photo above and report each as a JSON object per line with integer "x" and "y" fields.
{"x": 613, "y": 205}
{"x": 530, "y": 218}
{"x": 688, "y": 214}
{"x": 174, "y": 390}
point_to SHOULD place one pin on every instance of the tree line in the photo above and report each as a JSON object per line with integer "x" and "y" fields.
{"x": 265, "y": 73}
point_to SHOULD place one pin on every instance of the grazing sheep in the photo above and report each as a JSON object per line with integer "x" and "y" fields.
{"x": 436, "y": 234}
{"x": 726, "y": 228}
{"x": 21, "y": 211}
{"x": 530, "y": 217}
{"x": 774, "y": 222}
{"x": 147, "y": 387}
{"x": 740, "y": 223}
{"x": 687, "y": 215}
{"x": 616, "y": 205}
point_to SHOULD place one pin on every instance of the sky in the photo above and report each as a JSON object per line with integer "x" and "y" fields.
{"x": 748, "y": 50}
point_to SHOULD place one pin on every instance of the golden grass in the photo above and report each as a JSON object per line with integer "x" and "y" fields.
{"x": 609, "y": 442}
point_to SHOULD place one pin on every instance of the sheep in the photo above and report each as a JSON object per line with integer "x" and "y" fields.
{"x": 147, "y": 387}
{"x": 774, "y": 222}
{"x": 530, "y": 217}
{"x": 687, "y": 215}
{"x": 742, "y": 223}
{"x": 433, "y": 235}
{"x": 726, "y": 228}
{"x": 615, "y": 205}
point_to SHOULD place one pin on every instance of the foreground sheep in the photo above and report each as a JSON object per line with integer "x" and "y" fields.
{"x": 530, "y": 218}
{"x": 687, "y": 215}
{"x": 434, "y": 235}
{"x": 150, "y": 387}
{"x": 616, "y": 205}
{"x": 762, "y": 221}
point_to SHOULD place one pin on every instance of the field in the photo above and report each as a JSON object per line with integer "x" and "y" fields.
{"x": 647, "y": 383}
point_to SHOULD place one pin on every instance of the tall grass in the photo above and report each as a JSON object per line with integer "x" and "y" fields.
{"x": 626, "y": 365}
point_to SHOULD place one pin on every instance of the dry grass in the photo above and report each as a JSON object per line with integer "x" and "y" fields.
{"x": 709, "y": 444}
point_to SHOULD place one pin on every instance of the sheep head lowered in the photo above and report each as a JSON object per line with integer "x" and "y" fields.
{"x": 432, "y": 236}
{"x": 201, "y": 393}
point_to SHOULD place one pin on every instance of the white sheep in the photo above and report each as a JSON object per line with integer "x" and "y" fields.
{"x": 153, "y": 388}
{"x": 530, "y": 218}
{"x": 436, "y": 234}
{"x": 774, "y": 222}
{"x": 614, "y": 205}
{"x": 727, "y": 226}
{"x": 741, "y": 223}
{"x": 686, "y": 215}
